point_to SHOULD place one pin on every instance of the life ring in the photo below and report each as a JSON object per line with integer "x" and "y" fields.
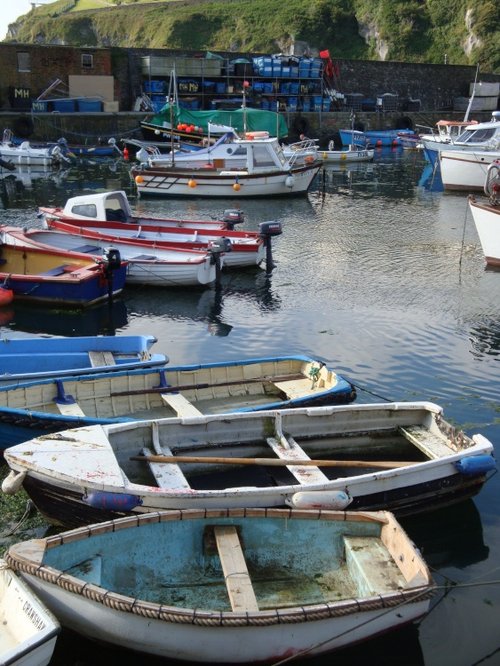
{"x": 492, "y": 184}
{"x": 23, "y": 127}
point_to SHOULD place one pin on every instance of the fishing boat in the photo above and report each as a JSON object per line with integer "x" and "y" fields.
{"x": 475, "y": 137}
{"x": 47, "y": 276}
{"x": 24, "y": 154}
{"x": 114, "y": 205}
{"x": 402, "y": 457}
{"x": 148, "y": 263}
{"x": 486, "y": 215}
{"x": 351, "y": 154}
{"x": 466, "y": 169}
{"x": 31, "y": 358}
{"x": 231, "y": 586}
{"x": 261, "y": 169}
{"x": 243, "y": 385}
{"x": 244, "y": 248}
{"x": 29, "y": 630}
{"x": 371, "y": 138}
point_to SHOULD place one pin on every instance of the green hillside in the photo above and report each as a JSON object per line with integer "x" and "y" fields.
{"x": 466, "y": 32}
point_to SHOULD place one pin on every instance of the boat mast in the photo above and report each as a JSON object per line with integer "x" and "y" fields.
{"x": 471, "y": 98}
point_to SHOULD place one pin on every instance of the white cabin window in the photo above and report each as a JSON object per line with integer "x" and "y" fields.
{"x": 87, "y": 61}
{"x": 23, "y": 61}
{"x": 87, "y": 210}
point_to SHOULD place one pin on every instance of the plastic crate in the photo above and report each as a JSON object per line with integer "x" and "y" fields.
{"x": 63, "y": 105}
{"x": 89, "y": 105}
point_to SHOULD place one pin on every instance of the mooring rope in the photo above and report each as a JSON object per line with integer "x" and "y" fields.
{"x": 27, "y": 511}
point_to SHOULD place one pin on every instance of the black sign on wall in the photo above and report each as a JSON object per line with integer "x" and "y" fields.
{"x": 19, "y": 97}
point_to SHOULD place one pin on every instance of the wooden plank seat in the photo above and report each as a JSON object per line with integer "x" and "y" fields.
{"x": 236, "y": 576}
{"x": 371, "y": 565}
{"x": 144, "y": 257}
{"x": 180, "y": 404}
{"x": 87, "y": 249}
{"x": 60, "y": 270}
{"x": 295, "y": 388}
{"x": 433, "y": 446}
{"x": 99, "y": 358}
{"x": 70, "y": 409}
{"x": 167, "y": 475}
{"x": 305, "y": 474}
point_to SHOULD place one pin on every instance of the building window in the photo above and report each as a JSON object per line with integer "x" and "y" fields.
{"x": 23, "y": 62}
{"x": 87, "y": 61}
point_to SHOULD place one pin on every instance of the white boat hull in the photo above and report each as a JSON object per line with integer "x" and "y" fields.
{"x": 29, "y": 630}
{"x": 221, "y": 645}
{"x": 346, "y": 155}
{"x": 240, "y": 184}
{"x": 465, "y": 169}
{"x": 487, "y": 220}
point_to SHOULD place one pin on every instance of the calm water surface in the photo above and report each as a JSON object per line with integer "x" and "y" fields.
{"x": 380, "y": 274}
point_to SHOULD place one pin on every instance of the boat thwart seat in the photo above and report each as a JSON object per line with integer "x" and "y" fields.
{"x": 433, "y": 446}
{"x": 98, "y": 358}
{"x": 295, "y": 388}
{"x": 305, "y": 474}
{"x": 236, "y": 576}
{"x": 180, "y": 404}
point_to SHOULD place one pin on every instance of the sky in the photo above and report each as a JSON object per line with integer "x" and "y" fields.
{"x": 10, "y": 11}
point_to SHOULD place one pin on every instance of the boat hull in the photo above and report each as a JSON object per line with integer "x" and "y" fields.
{"x": 465, "y": 169}
{"x": 487, "y": 220}
{"x": 29, "y": 630}
{"x": 237, "y": 185}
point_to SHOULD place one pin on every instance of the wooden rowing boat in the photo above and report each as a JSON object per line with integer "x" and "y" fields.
{"x": 399, "y": 456}
{"x": 231, "y": 586}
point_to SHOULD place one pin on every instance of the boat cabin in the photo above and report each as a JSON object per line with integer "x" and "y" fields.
{"x": 111, "y": 206}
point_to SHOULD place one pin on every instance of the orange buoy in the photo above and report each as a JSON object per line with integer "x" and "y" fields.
{"x": 125, "y": 153}
{"x": 139, "y": 180}
{"x": 236, "y": 187}
{"x": 192, "y": 182}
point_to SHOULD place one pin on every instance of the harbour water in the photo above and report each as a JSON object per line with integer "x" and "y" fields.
{"x": 378, "y": 272}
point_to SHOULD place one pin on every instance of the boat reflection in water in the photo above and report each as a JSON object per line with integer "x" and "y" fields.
{"x": 252, "y": 285}
{"x": 103, "y": 319}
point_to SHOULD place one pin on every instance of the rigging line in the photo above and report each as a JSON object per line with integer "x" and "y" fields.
{"x": 28, "y": 509}
{"x": 463, "y": 236}
{"x": 487, "y": 656}
{"x": 375, "y": 395}
{"x": 372, "y": 619}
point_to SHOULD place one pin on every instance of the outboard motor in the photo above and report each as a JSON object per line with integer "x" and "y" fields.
{"x": 233, "y": 216}
{"x": 267, "y": 230}
{"x": 218, "y": 247}
{"x": 112, "y": 262}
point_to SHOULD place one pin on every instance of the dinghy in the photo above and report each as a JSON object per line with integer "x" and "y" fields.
{"x": 231, "y": 586}
{"x": 29, "y": 630}
{"x": 31, "y": 358}
{"x": 251, "y": 384}
{"x": 399, "y": 456}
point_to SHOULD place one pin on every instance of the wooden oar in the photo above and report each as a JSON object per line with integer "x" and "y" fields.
{"x": 187, "y": 387}
{"x": 275, "y": 462}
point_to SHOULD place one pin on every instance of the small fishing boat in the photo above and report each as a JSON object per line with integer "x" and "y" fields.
{"x": 147, "y": 263}
{"x": 24, "y": 154}
{"x": 402, "y": 457}
{"x": 486, "y": 215}
{"x": 29, "y": 630}
{"x": 373, "y": 138}
{"x": 261, "y": 169}
{"x": 351, "y": 154}
{"x": 31, "y": 358}
{"x": 47, "y": 276}
{"x": 244, "y": 248}
{"x": 243, "y": 385}
{"x": 231, "y": 586}
{"x": 114, "y": 206}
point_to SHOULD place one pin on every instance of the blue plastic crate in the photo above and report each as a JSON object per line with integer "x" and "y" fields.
{"x": 292, "y": 103}
{"x": 285, "y": 71}
{"x": 326, "y": 103}
{"x": 293, "y": 87}
{"x": 220, "y": 87}
{"x": 63, "y": 105}
{"x": 89, "y": 105}
{"x": 264, "y": 104}
{"x": 306, "y": 103}
{"x": 285, "y": 88}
